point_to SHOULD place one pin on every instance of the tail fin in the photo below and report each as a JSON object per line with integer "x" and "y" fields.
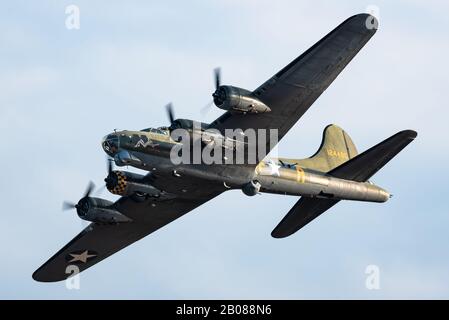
{"x": 335, "y": 149}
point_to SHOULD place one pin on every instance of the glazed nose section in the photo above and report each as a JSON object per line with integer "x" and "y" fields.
{"x": 110, "y": 144}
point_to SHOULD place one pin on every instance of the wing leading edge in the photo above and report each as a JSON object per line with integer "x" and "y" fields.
{"x": 99, "y": 241}
{"x": 291, "y": 91}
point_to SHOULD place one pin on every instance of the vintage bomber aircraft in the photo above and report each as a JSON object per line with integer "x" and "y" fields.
{"x": 336, "y": 172}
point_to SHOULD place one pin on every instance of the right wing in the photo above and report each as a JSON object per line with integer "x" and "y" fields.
{"x": 366, "y": 164}
{"x": 291, "y": 91}
{"x": 99, "y": 241}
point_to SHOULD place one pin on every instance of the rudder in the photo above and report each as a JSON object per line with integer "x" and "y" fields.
{"x": 335, "y": 149}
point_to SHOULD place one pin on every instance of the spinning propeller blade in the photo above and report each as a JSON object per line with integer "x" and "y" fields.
{"x": 171, "y": 115}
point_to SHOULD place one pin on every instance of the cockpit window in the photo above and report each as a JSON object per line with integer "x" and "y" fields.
{"x": 156, "y": 131}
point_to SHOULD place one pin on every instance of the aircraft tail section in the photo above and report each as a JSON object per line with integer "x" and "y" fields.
{"x": 336, "y": 148}
{"x": 360, "y": 168}
{"x": 365, "y": 165}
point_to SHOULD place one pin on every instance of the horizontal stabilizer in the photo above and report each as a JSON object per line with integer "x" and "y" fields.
{"x": 366, "y": 164}
{"x": 304, "y": 211}
{"x": 359, "y": 168}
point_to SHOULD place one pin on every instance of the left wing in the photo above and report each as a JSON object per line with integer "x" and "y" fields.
{"x": 303, "y": 212}
{"x": 99, "y": 241}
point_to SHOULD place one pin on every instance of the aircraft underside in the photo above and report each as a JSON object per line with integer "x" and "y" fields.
{"x": 175, "y": 178}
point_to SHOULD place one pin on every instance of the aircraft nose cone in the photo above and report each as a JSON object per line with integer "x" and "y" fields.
{"x": 110, "y": 144}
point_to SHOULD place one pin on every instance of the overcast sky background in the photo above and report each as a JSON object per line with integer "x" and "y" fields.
{"x": 62, "y": 90}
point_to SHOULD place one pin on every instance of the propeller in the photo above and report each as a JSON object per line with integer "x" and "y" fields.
{"x": 219, "y": 94}
{"x": 100, "y": 190}
{"x": 67, "y": 205}
{"x": 217, "y": 76}
{"x": 109, "y": 164}
{"x": 112, "y": 177}
{"x": 170, "y": 112}
{"x": 206, "y": 108}
{"x": 89, "y": 189}
{"x": 217, "y": 80}
{"x": 110, "y": 168}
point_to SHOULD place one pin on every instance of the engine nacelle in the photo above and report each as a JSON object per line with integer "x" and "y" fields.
{"x": 239, "y": 100}
{"x": 252, "y": 188}
{"x": 99, "y": 211}
{"x": 127, "y": 184}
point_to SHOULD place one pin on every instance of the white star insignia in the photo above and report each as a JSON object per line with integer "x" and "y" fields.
{"x": 274, "y": 168}
{"x": 83, "y": 257}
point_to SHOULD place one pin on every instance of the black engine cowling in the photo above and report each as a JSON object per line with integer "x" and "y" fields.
{"x": 99, "y": 211}
{"x": 130, "y": 184}
{"x": 238, "y": 100}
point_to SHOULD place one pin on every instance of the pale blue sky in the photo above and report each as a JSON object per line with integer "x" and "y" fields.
{"x": 61, "y": 91}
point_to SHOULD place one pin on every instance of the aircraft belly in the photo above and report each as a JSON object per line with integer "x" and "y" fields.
{"x": 154, "y": 163}
{"x": 231, "y": 175}
{"x": 311, "y": 184}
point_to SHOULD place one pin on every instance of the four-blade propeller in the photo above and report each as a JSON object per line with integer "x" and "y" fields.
{"x": 66, "y": 205}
